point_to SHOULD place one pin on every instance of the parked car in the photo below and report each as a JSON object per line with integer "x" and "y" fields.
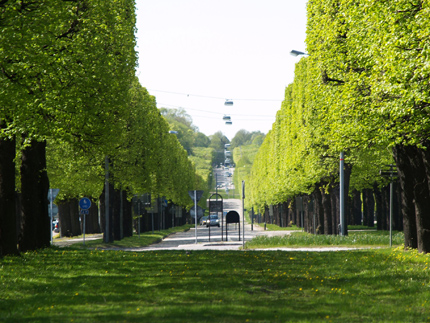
{"x": 214, "y": 221}
{"x": 203, "y": 220}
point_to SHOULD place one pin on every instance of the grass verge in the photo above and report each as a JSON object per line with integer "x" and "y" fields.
{"x": 66, "y": 285}
{"x": 303, "y": 239}
{"x": 136, "y": 241}
{"x": 275, "y": 227}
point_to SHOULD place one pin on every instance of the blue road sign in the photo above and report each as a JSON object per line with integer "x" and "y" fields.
{"x": 84, "y": 203}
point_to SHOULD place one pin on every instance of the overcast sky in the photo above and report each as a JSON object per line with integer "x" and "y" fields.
{"x": 196, "y": 54}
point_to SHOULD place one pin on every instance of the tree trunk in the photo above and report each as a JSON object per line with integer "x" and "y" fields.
{"x": 356, "y": 207}
{"x": 74, "y": 217}
{"x": 8, "y": 218}
{"x": 347, "y": 178}
{"x": 36, "y": 226}
{"x": 379, "y": 206}
{"x": 405, "y": 173}
{"x": 385, "y": 192}
{"x": 64, "y": 219}
{"x": 128, "y": 217}
{"x": 292, "y": 213}
{"x": 421, "y": 198}
{"x": 92, "y": 219}
{"x": 284, "y": 215}
{"x": 116, "y": 214}
{"x": 306, "y": 217}
{"x": 103, "y": 213}
{"x": 335, "y": 212}
{"x": 397, "y": 214}
{"x": 318, "y": 210}
{"x": 326, "y": 204}
{"x": 368, "y": 207}
{"x": 68, "y": 214}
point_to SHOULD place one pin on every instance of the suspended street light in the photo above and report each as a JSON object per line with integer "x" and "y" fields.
{"x": 228, "y": 102}
{"x": 298, "y": 53}
{"x": 226, "y": 118}
{"x": 228, "y": 122}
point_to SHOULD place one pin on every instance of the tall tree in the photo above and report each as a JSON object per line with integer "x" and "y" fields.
{"x": 65, "y": 66}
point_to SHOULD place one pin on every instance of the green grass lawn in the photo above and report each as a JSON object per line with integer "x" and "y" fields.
{"x": 303, "y": 239}
{"x": 136, "y": 241}
{"x": 81, "y": 285}
{"x": 275, "y": 227}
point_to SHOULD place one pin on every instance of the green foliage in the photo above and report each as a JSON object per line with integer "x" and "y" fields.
{"x": 362, "y": 89}
{"x": 243, "y": 138}
{"x": 147, "y": 159}
{"x": 66, "y": 72}
{"x": 202, "y": 159}
{"x": 201, "y": 140}
{"x": 218, "y": 142}
{"x": 181, "y": 122}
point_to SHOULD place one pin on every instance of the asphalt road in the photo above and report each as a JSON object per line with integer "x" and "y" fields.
{"x": 213, "y": 238}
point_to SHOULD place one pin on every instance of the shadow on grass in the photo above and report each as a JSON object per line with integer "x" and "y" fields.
{"x": 61, "y": 285}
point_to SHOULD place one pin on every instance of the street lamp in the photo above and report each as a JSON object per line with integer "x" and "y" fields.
{"x": 298, "y": 53}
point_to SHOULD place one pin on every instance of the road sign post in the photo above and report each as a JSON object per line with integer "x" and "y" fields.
{"x": 195, "y": 196}
{"x": 84, "y": 204}
{"x": 216, "y": 206}
{"x": 243, "y": 213}
{"x": 53, "y": 192}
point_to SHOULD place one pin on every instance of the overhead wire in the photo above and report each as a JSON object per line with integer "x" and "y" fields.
{"x": 215, "y": 97}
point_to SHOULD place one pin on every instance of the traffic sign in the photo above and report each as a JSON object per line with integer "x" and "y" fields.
{"x": 215, "y": 206}
{"x": 82, "y": 211}
{"x": 199, "y": 195}
{"x": 200, "y": 212}
{"x": 84, "y": 203}
{"x": 52, "y": 194}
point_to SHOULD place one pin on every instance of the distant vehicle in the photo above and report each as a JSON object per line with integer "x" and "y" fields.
{"x": 214, "y": 221}
{"x": 56, "y": 226}
{"x": 203, "y": 220}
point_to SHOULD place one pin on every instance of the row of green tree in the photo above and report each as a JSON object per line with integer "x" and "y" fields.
{"x": 363, "y": 90}
{"x": 72, "y": 111}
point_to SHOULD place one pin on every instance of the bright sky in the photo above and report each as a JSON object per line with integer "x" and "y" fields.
{"x": 195, "y": 54}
